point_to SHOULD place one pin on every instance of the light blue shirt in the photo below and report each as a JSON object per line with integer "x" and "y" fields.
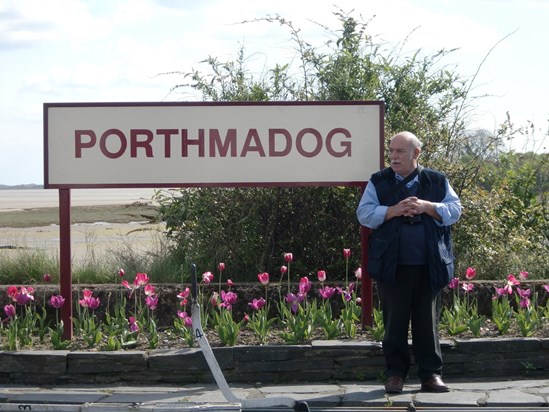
{"x": 371, "y": 213}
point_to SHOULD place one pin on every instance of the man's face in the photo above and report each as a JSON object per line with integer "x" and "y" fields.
{"x": 403, "y": 155}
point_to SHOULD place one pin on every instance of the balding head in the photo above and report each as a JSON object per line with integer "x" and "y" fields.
{"x": 404, "y": 150}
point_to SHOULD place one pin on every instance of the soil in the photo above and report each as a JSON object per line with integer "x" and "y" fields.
{"x": 169, "y": 340}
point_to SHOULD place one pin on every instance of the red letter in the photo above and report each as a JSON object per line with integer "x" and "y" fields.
{"x": 146, "y": 144}
{"x": 223, "y": 147}
{"x": 272, "y": 149}
{"x": 79, "y": 145}
{"x": 346, "y": 145}
{"x": 185, "y": 142}
{"x": 167, "y": 133}
{"x": 103, "y": 143}
{"x": 299, "y": 142}
{"x": 252, "y": 135}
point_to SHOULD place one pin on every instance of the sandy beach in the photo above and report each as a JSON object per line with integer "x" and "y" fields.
{"x": 37, "y": 198}
{"x": 92, "y": 239}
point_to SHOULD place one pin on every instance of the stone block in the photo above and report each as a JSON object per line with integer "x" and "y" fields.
{"x": 106, "y": 362}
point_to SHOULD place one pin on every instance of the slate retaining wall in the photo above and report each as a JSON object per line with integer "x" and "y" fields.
{"x": 319, "y": 361}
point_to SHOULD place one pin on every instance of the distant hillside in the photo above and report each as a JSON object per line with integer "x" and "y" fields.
{"x": 15, "y": 187}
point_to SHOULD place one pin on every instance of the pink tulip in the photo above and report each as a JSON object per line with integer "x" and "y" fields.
{"x": 304, "y": 285}
{"x": 523, "y": 275}
{"x": 230, "y": 283}
{"x": 182, "y": 296}
{"x": 327, "y": 292}
{"x": 134, "y": 327}
{"x": 263, "y": 278}
{"x": 121, "y": 272}
{"x": 141, "y": 279}
{"x": 294, "y": 300}
{"x": 283, "y": 269}
{"x": 185, "y": 294}
{"x": 207, "y": 277}
{"x": 186, "y": 319}
{"x": 149, "y": 290}
{"x": 523, "y": 293}
{"x": 47, "y": 277}
{"x": 23, "y": 298}
{"x": 358, "y": 273}
{"x": 9, "y": 310}
{"x": 454, "y": 283}
{"x": 346, "y": 253}
{"x": 221, "y": 266}
{"x": 257, "y": 304}
{"x": 511, "y": 281}
{"x": 57, "y": 301}
{"x": 88, "y": 301}
{"x": 501, "y": 291}
{"x": 228, "y": 299}
{"x": 214, "y": 300}
{"x": 152, "y": 302}
{"x": 546, "y": 287}
{"x": 321, "y": 274}
{"x": 288, "y": 257}
{"x": 467, "y": 287}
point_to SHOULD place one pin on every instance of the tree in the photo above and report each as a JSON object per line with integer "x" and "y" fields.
{"x": 252, "y": 228}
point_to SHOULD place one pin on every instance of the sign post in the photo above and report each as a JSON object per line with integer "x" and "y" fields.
{"x": 205, "y": 144}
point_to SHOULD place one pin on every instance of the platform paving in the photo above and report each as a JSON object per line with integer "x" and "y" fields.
{"x": 476, "y": 394}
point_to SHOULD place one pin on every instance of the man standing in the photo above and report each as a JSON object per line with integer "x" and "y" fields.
{"x": 410, "y": 209}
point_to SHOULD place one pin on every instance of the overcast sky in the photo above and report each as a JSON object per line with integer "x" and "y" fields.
{"x": 114, "y": 50}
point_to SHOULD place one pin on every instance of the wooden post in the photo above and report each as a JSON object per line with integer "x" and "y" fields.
{"x": 65, "y": 272}
{"x": 367, "y": 290}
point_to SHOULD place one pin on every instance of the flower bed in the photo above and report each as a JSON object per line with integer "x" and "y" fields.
{"x": 143, "y": 316}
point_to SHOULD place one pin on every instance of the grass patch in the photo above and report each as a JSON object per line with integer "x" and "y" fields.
{"x": 25, "y": 266}
{"x": 45, "y": 216}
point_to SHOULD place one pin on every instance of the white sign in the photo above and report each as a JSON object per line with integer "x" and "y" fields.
{"x": 211, "y": 144}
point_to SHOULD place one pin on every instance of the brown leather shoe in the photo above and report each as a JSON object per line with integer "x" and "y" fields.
{"x": 394, "y": 384}
{"x": 435, "y": 384}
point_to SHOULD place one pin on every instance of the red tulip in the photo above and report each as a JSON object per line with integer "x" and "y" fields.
{"x": 470, "y": 273}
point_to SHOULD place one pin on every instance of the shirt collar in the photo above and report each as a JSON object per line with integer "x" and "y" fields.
{"x": 410, "y": 183}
